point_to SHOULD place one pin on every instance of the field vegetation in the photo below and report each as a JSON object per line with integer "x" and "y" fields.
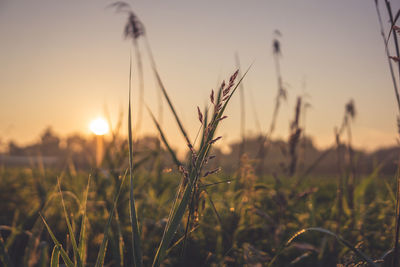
{"x": 273, "y": 203}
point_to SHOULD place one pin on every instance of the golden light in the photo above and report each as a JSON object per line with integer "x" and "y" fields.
{"x": 99, "y": 126}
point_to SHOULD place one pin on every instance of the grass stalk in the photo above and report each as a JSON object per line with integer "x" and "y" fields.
{"x": 164, "y": 91}
{"x": 136, "y": 246}
{"x": 180, "y": 205}
{"x": 281, "y": 94}
{"x": 71, "y": 232}
{"x": 103, "y": 246}
{"x": 382, "y": 31}
{"x": 64, "y": 255}
{"x": 393, "y": 20}
{"x": 242, "y": 113}
{"x": 4, "y": 254}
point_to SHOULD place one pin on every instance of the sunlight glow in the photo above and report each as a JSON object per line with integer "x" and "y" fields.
{"x": 99, "y": 126}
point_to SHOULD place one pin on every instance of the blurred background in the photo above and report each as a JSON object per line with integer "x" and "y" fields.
{"x": 65, "y": 63}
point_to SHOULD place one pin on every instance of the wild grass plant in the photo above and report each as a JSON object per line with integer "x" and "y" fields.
{"x": 187, "y": 195}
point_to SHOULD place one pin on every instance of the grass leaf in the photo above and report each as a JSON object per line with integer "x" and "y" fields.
{"x": 103, "y": 246}
{"x": 70, "y": 230}
{"x": 3, "y": 253}
{"x": 136, "y": 246}
{"x": 82, "y": 235}
{"x": 179, "y": 207}
{"x": 68, "y": 262}
{"x": 164, "y": 139}
{"x": 164, "y": 91}
{"x": 55, "y": 256}
{"x": 338, "y": 238}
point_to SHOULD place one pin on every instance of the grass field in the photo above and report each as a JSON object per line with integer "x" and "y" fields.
{"x": 148, "y": 207}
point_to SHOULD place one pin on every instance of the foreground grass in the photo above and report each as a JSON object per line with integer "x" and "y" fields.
{"x": 251, "y": 225}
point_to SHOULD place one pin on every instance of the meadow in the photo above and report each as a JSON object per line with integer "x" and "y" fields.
{"x": 142, "y": 205}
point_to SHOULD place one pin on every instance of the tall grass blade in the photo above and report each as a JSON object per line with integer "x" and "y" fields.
{"x": 164, "y": 139}
{"x": 213, "y": 208}
{"x": 55, "y": 256}
{"x": 70, "y": 230}
{"x": 44, "y": 255}
{"x": 136, "y": 246}
{"x": 242, "y": 113}
{"x": 177, "y": 214}
{"x": 181, "y": 239}
{"x": 395, "y": 40}
{"x": 3, "y": 254}
{"x": 36, "y": 231}
{"x": 178, "y": 210}
{"x": 164, "y": 91}
{"x": 393, "y": 24}
{"x": 338, "y": 238}
{"x": 204, "y": 126}
{"x": 141, "y": 83}
{"x": 82, "y": 235}
{"x": 397, "y": 230}
{"x": 395, "y": 87}
{"x": 103, "y": 246}
{"x": 68, "y": 262}
{"x": 120, "y": 240}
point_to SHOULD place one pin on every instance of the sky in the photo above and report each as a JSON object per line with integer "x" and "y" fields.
{"x": 63, "y": 63}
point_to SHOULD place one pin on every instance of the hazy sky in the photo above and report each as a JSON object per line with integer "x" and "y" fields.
{"x": 63, "y": 61}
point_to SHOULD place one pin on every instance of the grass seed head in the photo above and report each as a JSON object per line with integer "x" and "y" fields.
{"x": 215, "y": 140}
{"x": 225, "y": 98}
{"x": 218, "y": 107}
{"x": 351, "y": 109}
{"x": 194, "y": 154}
{"x": 223, "y": 84}
{"x": 276, "y": 47}
{"x": 222, "y": 118}
{"x": 396, "y": 29}
{"x": 209, "y": 158}
{"x": 133, "y": 28}
{"x": 200, "y": 115}
{"x": 233, "y": 77}
{"x": 212, "y": 172}
{"x": 184, "y": 172}
{"x": 395, "y": 59}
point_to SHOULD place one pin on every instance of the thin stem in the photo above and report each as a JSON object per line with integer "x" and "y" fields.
{"x": 388, "y": 55}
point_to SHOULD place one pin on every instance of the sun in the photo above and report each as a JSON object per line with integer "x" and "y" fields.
{"x": 99, "y": 126}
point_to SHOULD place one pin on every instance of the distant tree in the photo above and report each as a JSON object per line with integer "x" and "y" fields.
{"x": 50, "y": 143}
{"x": 14, "y": 149}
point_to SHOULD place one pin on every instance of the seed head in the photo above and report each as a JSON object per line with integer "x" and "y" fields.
{"x": 233, "y": 77}
{"x": 396, "y": 59}
{"x": 133, "y": 28}
{"x": 183, "y": 171}
{"x": 212, "y": 172}
{"x": 276, "y": 47}
{"x": 218, "y": 107}
{"x": 223, "y": 84}
{"x": 350, "y": 109}
{"x": 396, "y": 28}
{"x": 225, "y": 98}
{"x": 222, "y": 118}
{"x": 215, "y": 140}
{"x": 209, "y": 158}
{"x": 200, "y": 115}
{"x": 226, "y": 91}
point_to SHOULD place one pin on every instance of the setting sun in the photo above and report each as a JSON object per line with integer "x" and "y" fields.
{"x": 99, "y": 126}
